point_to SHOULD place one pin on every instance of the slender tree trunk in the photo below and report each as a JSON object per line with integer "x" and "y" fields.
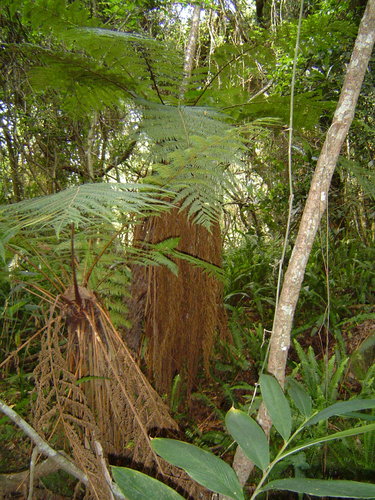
{"x": 191, "y": 47}
{"x": 13, "y": 162}
{"x": 315, "y": 206}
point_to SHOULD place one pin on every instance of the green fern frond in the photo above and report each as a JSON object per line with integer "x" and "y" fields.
{"x": 319, "y": 31}
{"x": 52, "y": 16}
{"x": 308, "y": 108}
{"x": 93, "y": 66}
{"x": 190, "y": 150}
{"x": 81, "y": 204}
{"x": 336, "y": 379}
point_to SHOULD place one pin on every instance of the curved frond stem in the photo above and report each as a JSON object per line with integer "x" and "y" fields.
{"x": 152, "y": 76}
{"x": 44, "y": 295}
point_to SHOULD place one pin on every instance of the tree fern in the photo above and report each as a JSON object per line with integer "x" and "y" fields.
{"x": 190, "y": 151}
{"x": 94, "y": 67}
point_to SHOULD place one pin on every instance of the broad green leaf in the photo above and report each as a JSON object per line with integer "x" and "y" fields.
{"x": 277, "y": 405}
{"x": 320, "y": 487}
{"x": 337, "y": 435}
{"x": 137, "y": 486}
{"x": 204, "y": 467}
{"x": 249, "y": 436}
{"x": 341, "y": 409}
{"x": 300, "y": 398}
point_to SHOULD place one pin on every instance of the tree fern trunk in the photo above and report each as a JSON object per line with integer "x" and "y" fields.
{"x": 181, "y": 314}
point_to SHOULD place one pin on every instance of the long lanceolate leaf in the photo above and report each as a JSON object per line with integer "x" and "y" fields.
{"x": 277, "y": 405}
{"x": 330, "y": 437}
{"x": 300, "y": 398}
{"x": 249, "y": 436}
{"x": 341, "y": 408}
{"x": 322, "y": 488}
{"x": 80, "y": 204}
{"x": 137, "y": 486}
{"x": 204, "y": 467}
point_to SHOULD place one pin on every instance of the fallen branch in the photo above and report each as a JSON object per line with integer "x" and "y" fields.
{"x": 10, "y": 483}
{"x": 60, "y": 460}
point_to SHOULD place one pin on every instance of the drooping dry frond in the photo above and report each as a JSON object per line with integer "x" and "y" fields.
{"x": 62, "y": 410}
{"x": 90, "y": 389}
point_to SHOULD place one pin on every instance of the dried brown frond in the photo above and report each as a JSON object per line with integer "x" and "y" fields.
{"x": 61, "y": 408}
{"x": 89, "y": 389}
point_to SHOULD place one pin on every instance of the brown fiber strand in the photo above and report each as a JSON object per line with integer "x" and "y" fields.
{"x": 182, "y": 314}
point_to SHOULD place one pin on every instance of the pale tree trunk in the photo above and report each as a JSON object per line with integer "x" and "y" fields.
{"x": 191, "y": 47}
{"x": 316, "y": 204}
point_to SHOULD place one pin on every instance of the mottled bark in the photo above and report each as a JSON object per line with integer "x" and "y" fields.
{"x": 191, "y": 47}
{"x": 317, "y": 200}
{"x": 315, "y": 206}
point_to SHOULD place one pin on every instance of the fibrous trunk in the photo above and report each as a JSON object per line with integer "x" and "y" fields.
{"x": 180, "y": 315}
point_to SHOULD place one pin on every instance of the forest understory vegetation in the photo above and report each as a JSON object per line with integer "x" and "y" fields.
{"x": 344, "y": 353}
{"x": 163, "y": 166}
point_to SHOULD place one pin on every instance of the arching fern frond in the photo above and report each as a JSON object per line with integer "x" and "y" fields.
{"x": 191, "y": 150}
{"x": 91, "y": 66}
{"x": 83, "y": 204}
